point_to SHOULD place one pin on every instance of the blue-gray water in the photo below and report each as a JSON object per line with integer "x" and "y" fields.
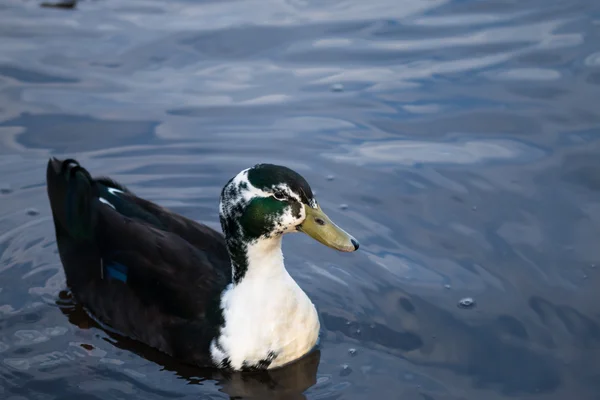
{"x": 458, "y": 140}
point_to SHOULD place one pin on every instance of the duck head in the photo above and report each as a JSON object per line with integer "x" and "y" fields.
{"x": 263, "y": 203}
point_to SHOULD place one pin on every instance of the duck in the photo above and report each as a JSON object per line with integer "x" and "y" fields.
{"x": 211, "y": 299}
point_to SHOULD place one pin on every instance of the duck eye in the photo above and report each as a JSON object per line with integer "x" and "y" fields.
{"x": 279, "y": 195}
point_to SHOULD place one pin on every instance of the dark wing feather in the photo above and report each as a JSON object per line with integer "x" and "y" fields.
{"x": 176, "y": 268}
{"x": 198, "y": 235}
{"x": 163, "y": 268}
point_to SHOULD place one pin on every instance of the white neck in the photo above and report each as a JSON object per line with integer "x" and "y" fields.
{"x": 265, "y": 260}
{"x": 265, "y": 312}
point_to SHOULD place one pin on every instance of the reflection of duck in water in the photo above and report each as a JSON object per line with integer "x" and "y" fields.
{"x": 287, "y": 382}
{"x": 181, "y": 287}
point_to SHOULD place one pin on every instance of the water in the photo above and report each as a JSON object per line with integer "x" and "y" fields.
{"x": 463, "y": 138}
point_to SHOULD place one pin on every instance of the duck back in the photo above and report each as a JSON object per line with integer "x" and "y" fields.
{"x": 138, "y": 268}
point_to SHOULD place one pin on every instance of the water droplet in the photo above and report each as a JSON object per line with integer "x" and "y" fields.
{"x": 585, "y": 276}
{"x": 467, "y": 302}
{"x": 474, "y": 208}
{"x": 338, "y": 87}
{"x": 32, "y": 211}
{"x": 593, "y": 265}
{"x": 447, "y": 286}
{"x": 372, "y": 326}
{"x": 358, "y": 331}
{"x": 348, "y": 322}
{"x": 343, "y": 206}
{"x": 346, "y": 370}
{"x": 352, "y": 352}
{"x": 330, "y": 177}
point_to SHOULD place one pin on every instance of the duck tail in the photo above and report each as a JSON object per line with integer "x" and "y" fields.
{"x": 71, "y": 191}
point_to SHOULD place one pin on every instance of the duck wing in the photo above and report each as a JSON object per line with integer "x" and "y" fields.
{"x": 143, "y": 270}
{"x": 160, "y": 266}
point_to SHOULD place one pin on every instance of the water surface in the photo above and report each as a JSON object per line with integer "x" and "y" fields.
{"x": 457, "y": 140}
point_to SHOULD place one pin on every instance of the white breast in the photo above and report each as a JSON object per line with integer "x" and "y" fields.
{"x": 266, "y": 313}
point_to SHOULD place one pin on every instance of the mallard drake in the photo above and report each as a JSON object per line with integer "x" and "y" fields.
{"x": 205, "y": 298}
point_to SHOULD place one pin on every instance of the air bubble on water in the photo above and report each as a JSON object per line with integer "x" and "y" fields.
{"x": 343, "y": 206}
{"x": 467, "y": 302}
{"x": 346, "y": 370}
{"x": 358, "y": 331}
{"x": 338, "y": 87}
{"x": 447, "y": 286}
{"x": 330, "y": 177}
{"x": 352, "y": 351}
{"x": 32, "y": 211}
{"x": 474, "y": 208}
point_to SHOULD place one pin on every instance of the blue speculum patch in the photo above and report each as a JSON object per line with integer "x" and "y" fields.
{"x": 115, "y": 271}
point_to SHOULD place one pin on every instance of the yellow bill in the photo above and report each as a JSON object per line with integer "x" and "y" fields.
{"x": 318, "y": 226}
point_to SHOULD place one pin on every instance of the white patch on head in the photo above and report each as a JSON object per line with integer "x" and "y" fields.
{"x": 287, "y": 222}
{"x": 242, "y": 195}
{"x": 286, "y": 189}
{"x": 103, "y": 200}
{"x": 251, "y": 191}
{"x": 114, "y": 191}
{"x": 265, "y": 313}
